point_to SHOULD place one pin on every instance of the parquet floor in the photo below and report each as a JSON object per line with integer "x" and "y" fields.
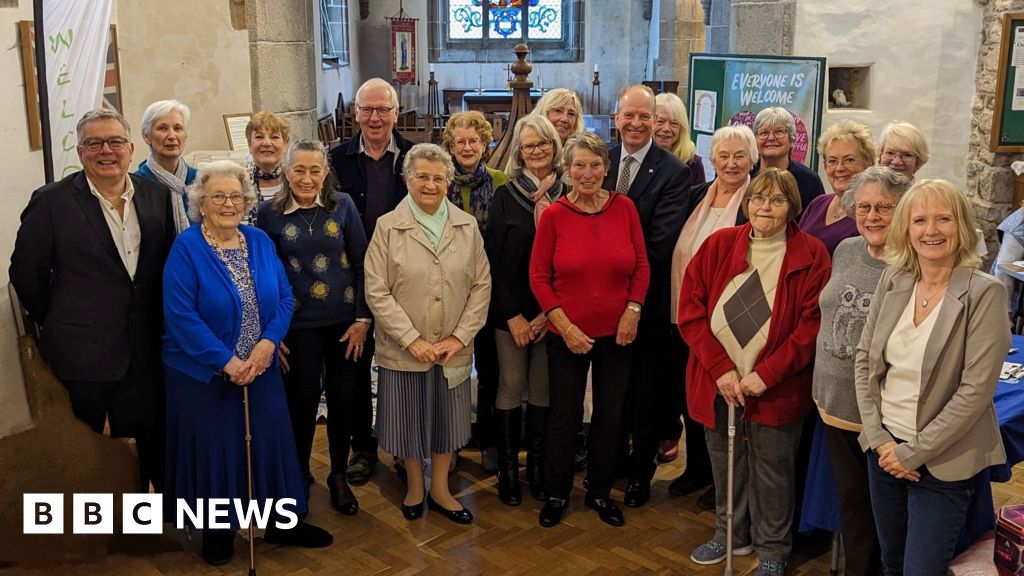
{"x": 657, "y": 539}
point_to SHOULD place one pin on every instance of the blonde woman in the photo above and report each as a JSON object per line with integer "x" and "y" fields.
{"x": 672, "y": 132}
{"x": 902, "y": 148}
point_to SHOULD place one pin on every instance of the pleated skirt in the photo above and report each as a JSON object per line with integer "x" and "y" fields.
{"x": 418, "y": 415}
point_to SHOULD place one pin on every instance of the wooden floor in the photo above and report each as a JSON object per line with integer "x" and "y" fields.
{"x": 657, "y": 539}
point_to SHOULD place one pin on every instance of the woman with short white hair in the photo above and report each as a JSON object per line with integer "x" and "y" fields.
{"x": 165, "y": 130}
{"x": 902, "y": 148}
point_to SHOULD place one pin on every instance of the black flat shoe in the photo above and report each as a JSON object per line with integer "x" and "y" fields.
{"x": 412, "y": 512}
{"x": 606, "y": 509}
{"x": 687, "y": 484}
{"x": 551, "y": 513}
{"x": 342, "y": 498}
{"x": 463, "y": 516}
{"x": 218, "y": 546}
{"x": 302, "y": 535}
{"x": 638, "y": 493}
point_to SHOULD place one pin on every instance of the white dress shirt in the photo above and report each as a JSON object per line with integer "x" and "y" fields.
{"x": 124, "y": 229}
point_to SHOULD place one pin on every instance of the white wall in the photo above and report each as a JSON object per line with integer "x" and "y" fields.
{"x": 923, "y": 55}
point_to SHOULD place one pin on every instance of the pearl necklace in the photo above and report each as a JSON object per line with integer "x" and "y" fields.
{"x": 242, "y": 278}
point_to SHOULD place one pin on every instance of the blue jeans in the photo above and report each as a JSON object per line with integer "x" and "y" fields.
{"x": 918, "y": 523}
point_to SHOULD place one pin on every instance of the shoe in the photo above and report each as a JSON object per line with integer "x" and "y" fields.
{"x": 412, "y": 512}
{"x": 360, "y": 467}
{"x": 551, "y": 513}
{"x": 771, "y": 568}
{"x": 687, "y": 484}
{"x": 713, "y": 552}
{"x": 707, "y": 499}
{"x": 668, "y": 451}
{"x": 507, "y": 455}
{"x": 536, "y": 427}
{"x": 638, "y": 493}
{"x": 342, "y": 498}
{"x": 463, "y": 516}
{"x": 218, "y": 546}
{"x": 606, "y": 509}
{"x": 489, "y": 460}
{"x": 302, "y": 535}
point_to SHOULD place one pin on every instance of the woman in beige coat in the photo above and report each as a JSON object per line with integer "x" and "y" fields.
{"x": 428, "y": 285}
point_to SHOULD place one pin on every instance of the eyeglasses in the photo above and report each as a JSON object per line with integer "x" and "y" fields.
{"x": 905, "y": 157}
{"x": 737, "y": 157}
{"x": 543, "y": 146}
{"x": 883, "y": 208}
{"x": 472, "y": 142}
{"x": 382, "y": 111}
{"x": 661, "y": 121}
{"x": 424, "y": 179}
{"x": 96, "y": 144}
{"x": 778, "y": 133}
{"x": 221, "y": 199}
{"x": 776, "y": 201}
{"x": 849, "y": 162}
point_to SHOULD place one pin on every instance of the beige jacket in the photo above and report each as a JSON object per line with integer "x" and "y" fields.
{"x": 958, "y": 434}
{"x": 416, "y": 291}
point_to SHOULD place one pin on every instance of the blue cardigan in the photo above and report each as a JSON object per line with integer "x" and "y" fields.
{"x": 202, "y": 308}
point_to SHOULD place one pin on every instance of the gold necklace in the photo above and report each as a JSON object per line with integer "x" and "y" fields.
{"x": 242, "y": 278}
{"x": 836, "y": 214}
{"x": 309, "y": 224}
{"x": 924, "y": 300}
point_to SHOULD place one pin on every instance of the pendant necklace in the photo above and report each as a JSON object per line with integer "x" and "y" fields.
{"x": 924, "y": 300}
{"x": 309, "y": 223}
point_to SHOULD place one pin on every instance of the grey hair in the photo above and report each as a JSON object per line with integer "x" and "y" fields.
{"x": 776, "y": 115}
{"x": 101, "y": 114}
{"x": 546, "y": 130}
{"x": 739, "y": 132}
{"x": 327, "y": 194}
{"x": 378, "y": 83}
{"x": 892, "y": 182}
{"x": 219, "y": 169}
{"x": 586, "y": 141}
{"x": 161, "y": 108}
{"x": 430, "y": 153}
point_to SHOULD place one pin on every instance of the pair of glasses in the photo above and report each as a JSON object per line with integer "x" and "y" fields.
{"x": 775, "y": 201}
{"x": 221, "y": 199}
{"x": 382, "y": 111}
{"x": 778, "y": 133}
{"x": 96, "y": 144}
{"x": 472, "y": 142}
{"x": 543, "y": 146}
{"x": 883, "y": 208}
{"x": 905, "y": 157}
{"x": 848, "y": 163}
{"x": 424, "y": 179}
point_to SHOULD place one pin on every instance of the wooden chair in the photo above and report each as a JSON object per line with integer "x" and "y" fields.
{"x": 339, "y": 108}
{"x": 498, "y": 123}
{"x": 452, "y": 97}
{"x": 417, "y": 128}
{"x": 346, "y": 126}
{"x": 326, "y": 129}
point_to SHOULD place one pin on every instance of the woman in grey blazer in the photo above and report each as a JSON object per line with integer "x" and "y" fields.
{"x": 926, "y": 369}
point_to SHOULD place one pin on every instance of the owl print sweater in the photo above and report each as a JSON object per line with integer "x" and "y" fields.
{"x": 844, "y": 305}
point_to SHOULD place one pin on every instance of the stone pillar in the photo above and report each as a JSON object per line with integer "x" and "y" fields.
{"x": 762, "y": 26}
{"x": 989, "y": 178}
{"x": 283, "y": 63}
{"x": 717, "y": 16}
{"x": 691, "y": 36}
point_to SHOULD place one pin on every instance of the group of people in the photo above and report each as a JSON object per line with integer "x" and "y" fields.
{"x": 755, "y": 294}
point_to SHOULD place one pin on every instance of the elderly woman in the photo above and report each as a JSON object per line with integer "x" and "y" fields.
{"x": 267, "y": 134}
{"x": 589, "y": 272}
{"x": 846, "y": 149}
{"x": 320, "y": 240}
{"x": 776, "y": 133}
{"x": 1011, "y": 249}
{"x": 428, "y": 285}
{"x": 926, "y": 368}
{"x": 536, "y": 161}
{"x": 749, "y": 313}
{"x": 467, "y": 137}
{"x": 856, "y": 266}
{"x": 902, "y": 147}
{"x": 672, "y": 132}
{"x": 227, "y": 305}
{"x": 165, "y": 129}
{"x": 716, "y": 205}
{"x": 562, "y": 107}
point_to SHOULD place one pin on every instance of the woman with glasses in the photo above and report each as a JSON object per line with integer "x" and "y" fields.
{"x": 846, "y": 149}
{"x": 672, "y": 132}
{"x": 428, "y": 285}
{"x": 902, "y": 147}
{"x": 165, "y": 129}
{"x": 776, "y": 134}
{"x": 227, "y": 306}
{"x": 749, "y": 312}
{"x": 857, "y": 265}
{"x": 467, "y": 137}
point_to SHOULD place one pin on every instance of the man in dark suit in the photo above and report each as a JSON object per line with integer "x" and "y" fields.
{"x": 87, "y": 264}
{"x": 658, "y": 183}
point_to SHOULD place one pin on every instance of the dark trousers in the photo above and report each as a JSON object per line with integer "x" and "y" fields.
{"x": 485, "y": 357}
{"x": 918, "y": 523}
{"x": 567, "y": 375}
{"x": 363, "y": 439}
{"x": 317, "y": 362}
{"x": 698, "y": 464}
{"x": 135, "y": 407}
{"x": 863, "y": 556}
{"x": 652, "y": 397}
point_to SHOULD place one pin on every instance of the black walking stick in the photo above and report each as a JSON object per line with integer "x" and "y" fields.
{"x": 248, "y": 466}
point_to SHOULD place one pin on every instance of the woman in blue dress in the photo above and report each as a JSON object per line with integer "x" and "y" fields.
{"x": 227, "y": 305}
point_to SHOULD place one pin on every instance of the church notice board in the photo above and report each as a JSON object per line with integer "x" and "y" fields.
{"x": 730, "y": 89}
{"x": 1008, "y": 116}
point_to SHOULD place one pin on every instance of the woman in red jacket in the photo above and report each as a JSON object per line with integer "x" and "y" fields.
{"x": 748, "y": 309}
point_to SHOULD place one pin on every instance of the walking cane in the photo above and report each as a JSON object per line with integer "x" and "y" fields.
{"x": 248, "y": 466}
{"x": 728, "y": 491}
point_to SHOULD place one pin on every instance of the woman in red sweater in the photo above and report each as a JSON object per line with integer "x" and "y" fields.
{"x": 589, "y": 272}
{"x": 748, "y": 309}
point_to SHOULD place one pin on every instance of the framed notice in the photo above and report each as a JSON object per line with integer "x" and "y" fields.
{"x": 1008, "y": 116}
{"x": 234, "y": 125}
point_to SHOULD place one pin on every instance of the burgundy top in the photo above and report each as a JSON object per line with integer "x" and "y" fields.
{"x": 813, "y": 222}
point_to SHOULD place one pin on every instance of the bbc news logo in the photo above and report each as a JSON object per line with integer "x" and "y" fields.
{"x": 144, "y": 513}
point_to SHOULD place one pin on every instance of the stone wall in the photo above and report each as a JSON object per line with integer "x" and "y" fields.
{"x": 989, "y": 178}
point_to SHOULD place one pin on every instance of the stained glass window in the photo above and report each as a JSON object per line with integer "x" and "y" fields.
{"x": 505, "y": 19}
{"x": 465, "y": 20}
{"x": 545, "y": 20}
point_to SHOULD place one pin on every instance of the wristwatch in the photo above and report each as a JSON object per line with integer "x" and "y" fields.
{"x": 633, "y": 307}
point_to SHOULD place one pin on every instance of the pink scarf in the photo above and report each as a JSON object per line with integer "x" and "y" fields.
{"x": 685, "y": 247}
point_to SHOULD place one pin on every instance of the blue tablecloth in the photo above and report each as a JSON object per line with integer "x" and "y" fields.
{"x": 820, "y": 508}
